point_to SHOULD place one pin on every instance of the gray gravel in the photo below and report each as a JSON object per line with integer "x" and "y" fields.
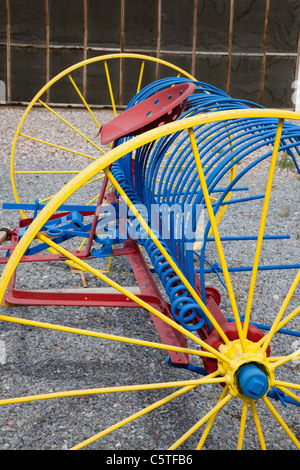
{"x": 40, "y": 361}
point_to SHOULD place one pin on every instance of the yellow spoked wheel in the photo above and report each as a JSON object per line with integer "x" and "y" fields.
{"x": 75, "y": 140}
{"x": 234, "y": 390}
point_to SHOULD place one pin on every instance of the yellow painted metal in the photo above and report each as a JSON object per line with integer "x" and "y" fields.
{"x": 281, "y": 422}
{"x": 262, "y": 224}
{"x": 223, "y": 209}
{"x": 280, "y": 383}
{"x": 115, "y": 154}
{"x": 211, "y": 421}
{"x": 230, "y": 355}
{"x": 295, "y": 356}
{"x": 275, "y": 326}
{"x": 55, "y": 146}
{"x": 130, "y": 295}
{"x": 134, "y": 416}
{"x": 141, "y": 76}
{"x": 257, "y": 425}
{"x": 286, "y": 320}
{"x": 71, "y": 126}
{"x": 110, "y": 88}
{"x": 166, "y": 255}
{"x": 289, "y": 393}
{"x": 242, "y": 426}
{"x": 238, "y": 358}
{"x": 46, "y": 172}
{"x": 217, "y": 238}
{"x": 202, "y": 421}
{"x": 153, "y": 406}
{"x": 227, "y": 198}
{"x": 104, "y": 390}
{"x": 67, "y": 72}
{"x": 83, "y": 100}
{"x": 96, "y": 334}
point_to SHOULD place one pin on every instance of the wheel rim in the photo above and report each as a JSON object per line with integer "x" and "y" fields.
{"x": 234, "y": 354}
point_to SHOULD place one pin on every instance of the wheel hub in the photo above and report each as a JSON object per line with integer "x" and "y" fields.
{"x": 248, "y": 375}
{"x": 253, "y": 381}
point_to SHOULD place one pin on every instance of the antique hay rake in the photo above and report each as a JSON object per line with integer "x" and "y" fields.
{"x": 161, "y": 192}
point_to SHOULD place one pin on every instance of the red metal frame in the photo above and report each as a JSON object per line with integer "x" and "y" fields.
{"x": 146, "y": 289}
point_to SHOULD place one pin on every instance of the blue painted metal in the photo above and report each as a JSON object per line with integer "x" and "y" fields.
{"x": 262, "y": 326}
{"x": 282, "y": 397}
{"x": 178, "y": 183}
{"x": 252, "y": 381}
{"x": 190, "y": 367}
{"x": 34, "y": 207}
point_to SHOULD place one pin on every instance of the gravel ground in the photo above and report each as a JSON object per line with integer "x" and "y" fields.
{"x": 41, "y": 361}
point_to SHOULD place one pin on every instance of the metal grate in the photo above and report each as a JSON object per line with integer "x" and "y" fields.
{"x": 192, "y": 52}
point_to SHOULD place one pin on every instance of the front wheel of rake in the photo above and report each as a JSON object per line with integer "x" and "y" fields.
{"x": 219, "y": 409}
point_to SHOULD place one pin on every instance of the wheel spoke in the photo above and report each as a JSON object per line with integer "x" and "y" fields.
{"x": 217, "y": 237}
{"x": 110, "y": 87}
{"x": 83, "y": 100}
{"x": 203, "y": 420}
{"x": 134, "y": 416}
{"x": 94, "y": 181}
{"x": 132, "y": 296}
{"x": 71, "y": 126}
{"x": 210, "y": 422}
{"x": 262, "y": 224}
{"x": 280, "y": 383}
{"x": 281, "y": 422}
{"x": 106, "y": 390}
{"x": 292, "y": 315}
{"x": 289, "y": 393}
{"x": 96, "y": 334}
{"x": 242, "y": 426}
{"x": 291, "y": 357}
{"x": 257, "y": 425}
{"x": 266, "y": 340}
{"x": 140, "y": 76}
{"x": 131, "y": 418}
{"x": 65, "y": 149}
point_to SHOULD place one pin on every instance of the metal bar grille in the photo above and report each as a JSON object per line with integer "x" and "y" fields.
{"x": 194, "y": 52}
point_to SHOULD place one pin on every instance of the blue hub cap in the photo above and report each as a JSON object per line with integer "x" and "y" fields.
{"x": 252, "y": 380}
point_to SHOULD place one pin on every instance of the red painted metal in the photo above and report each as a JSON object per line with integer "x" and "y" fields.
{"x": 147, "y": 284}
{"x": 98, "y": 297}
{"x": 213, "y": 299}
{"x": 146, "y": 290}
{"x": 163, "y": 107}
{"x": 230, "y": 330}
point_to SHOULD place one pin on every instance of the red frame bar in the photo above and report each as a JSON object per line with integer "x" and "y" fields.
{"x": 146, "y": 290}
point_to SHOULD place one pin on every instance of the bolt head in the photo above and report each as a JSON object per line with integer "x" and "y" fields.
{"x": 252, "y": 380}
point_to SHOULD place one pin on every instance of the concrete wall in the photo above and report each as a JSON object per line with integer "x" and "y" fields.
{"x": 246, "y": 47}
